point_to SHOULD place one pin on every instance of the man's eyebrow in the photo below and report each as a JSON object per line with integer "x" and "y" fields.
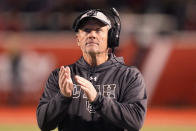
{"x": 88, "y": 28}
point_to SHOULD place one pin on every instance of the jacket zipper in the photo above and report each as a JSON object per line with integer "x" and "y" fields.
{"x": 92, "y": 79}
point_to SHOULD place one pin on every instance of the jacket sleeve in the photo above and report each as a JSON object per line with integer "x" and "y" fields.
{"x": 52, "y": 104}
{"x": 129, "y": 112}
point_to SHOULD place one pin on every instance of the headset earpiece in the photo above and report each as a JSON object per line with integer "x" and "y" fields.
{"x": 112, "y": 39}
{"x": 114, "y": 32}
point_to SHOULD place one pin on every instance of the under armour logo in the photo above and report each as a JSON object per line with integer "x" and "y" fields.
{"x": 95, "y": 78}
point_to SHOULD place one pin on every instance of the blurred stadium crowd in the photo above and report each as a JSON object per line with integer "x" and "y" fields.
{"x": 158, "y": 36}
{"x": 50, "y": 15}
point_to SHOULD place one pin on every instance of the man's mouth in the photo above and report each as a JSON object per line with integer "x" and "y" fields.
{"x": 92, "y": 43}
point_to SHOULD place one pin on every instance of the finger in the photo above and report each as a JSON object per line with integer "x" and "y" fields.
{"x": 84, "y": 88}
{"x": 67, "y": 76}
{"x": 62, "y": 88}
{"x": 83, "y": 81}
{"x": 60, "y": 75}
{"x": 79, "y": 80}
{"x": 64, "y": 84}
{"x": 62, "y": 71}
{"x": 63, "y": 79}
{"x": 68, "y": 87}
{"x": 67, "y": 70}
{"x": 61, "y": 68}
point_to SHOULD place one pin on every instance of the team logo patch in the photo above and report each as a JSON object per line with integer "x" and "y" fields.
{"x": 91, "y": 13}
{"x": 105, "y": 90}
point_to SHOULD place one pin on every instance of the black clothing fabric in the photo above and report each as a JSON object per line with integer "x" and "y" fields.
{"x": 119, "y": 106}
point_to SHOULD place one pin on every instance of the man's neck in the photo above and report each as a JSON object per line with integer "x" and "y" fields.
{"x": 95, "y": 59}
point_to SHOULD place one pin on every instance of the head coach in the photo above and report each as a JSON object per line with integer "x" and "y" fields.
{"x": 98, "y": 92}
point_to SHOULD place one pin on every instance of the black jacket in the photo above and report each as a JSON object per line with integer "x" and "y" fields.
{"x": 120, "y": 104}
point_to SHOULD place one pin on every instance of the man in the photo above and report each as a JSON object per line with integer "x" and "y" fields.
{"x": 98, "y": 92}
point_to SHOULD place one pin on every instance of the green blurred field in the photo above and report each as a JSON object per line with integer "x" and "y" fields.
{"x": 145, "y": 128}
{"x": 157, "y": 119}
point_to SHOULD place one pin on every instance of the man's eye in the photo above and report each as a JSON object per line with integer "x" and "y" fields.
{"x": 87, "y": 30}
{"x": 98, "y": 30}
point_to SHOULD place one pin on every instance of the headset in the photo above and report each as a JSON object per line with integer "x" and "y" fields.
{"x": 114, "y": 31}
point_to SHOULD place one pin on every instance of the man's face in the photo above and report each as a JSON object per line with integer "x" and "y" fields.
{"x": 92, "y": 37}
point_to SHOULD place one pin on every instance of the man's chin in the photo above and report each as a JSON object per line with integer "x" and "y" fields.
{"x": 92, "y": 51}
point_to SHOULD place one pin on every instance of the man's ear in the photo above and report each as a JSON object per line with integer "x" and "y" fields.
{"x": 77, "y": 39}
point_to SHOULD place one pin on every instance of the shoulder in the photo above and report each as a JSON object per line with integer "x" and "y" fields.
{"x": 134, "y": 70}
{"x": 131, "y": 70}
{"x": 131, "y": 73}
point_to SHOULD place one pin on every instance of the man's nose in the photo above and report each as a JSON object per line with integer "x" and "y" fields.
{"x": 92, "y": 34}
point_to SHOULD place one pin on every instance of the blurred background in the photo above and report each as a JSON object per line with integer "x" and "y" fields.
{"x": 158, "y": 37}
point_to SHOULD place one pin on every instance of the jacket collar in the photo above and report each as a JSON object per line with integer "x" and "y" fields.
{"x": 112, "y": 61}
